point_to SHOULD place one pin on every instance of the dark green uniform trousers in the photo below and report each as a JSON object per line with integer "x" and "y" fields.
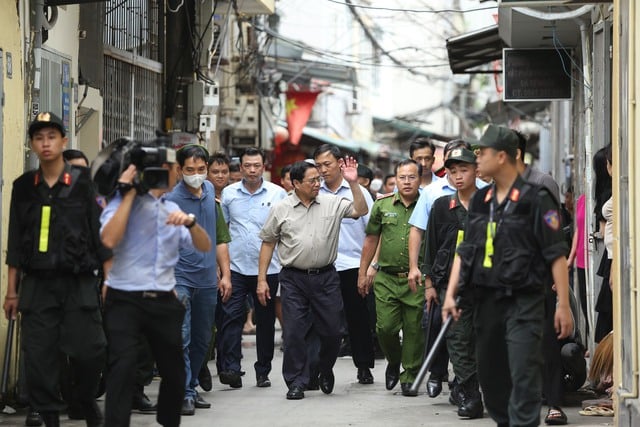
{"x": 461, "y": 341}
{"x": 509, "y": 349}
{"x": 397, "y": 308}
{"x": 61, "y": 314}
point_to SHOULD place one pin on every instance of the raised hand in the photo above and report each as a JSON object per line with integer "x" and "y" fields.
{"x": 349, "y": 168}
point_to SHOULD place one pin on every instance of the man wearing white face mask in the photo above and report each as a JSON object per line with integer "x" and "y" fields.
{"x": 196, "y": 271}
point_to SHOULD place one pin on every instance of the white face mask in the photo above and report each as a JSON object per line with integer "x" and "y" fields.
{"x": 195, "y": 180}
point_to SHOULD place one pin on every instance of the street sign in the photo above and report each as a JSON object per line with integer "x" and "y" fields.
{"x": 536, "y": 74}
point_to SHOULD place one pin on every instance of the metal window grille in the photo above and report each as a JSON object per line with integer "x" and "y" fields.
{"x": 133, "y": 76}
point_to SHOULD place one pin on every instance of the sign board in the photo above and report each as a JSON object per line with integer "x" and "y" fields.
{"x": 536, "y": 74}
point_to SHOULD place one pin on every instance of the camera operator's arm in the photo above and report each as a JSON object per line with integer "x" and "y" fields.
{"x": 199, "y": 236}
{"x": 113, "y": 231}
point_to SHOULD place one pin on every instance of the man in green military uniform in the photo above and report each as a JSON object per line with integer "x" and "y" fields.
{"x": 398, "y": 305}
{"x": 55, "y": 252}
{"x": 513, "y": 245}
{"x": 445, "y": 230}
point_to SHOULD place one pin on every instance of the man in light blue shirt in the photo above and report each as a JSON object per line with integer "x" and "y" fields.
{"x": 196, "y": 274}
{"x": 146, "y": 233}
{"x": 423, "y": 152}
{"x": 327, "y": 158}
{"x": 246, "y": 205}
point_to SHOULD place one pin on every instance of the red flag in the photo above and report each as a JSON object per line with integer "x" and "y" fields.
{"x": 299, "y": 105}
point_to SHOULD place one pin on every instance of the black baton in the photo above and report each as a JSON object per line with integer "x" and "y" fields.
{"x": 6, "y": 363}
{"x": 426, "y": 365}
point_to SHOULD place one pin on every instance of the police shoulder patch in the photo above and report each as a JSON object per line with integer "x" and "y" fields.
{"x": 552, "y": 219}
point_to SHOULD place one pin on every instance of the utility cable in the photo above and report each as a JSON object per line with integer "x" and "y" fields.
{"x": 393, "y": 9}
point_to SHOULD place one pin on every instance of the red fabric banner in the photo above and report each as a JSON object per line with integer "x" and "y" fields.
{"x": 299, "y": 105}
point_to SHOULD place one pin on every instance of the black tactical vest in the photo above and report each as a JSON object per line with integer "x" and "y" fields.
{"x": 70, "y": 247}
{"x": 516, "y": 263}
{"x": 451, "y": 219}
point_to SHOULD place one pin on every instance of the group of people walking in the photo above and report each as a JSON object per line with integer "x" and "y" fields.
{"x": 180, "y": 262}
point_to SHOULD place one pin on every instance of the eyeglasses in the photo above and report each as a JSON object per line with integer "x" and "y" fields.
{"x": 409, "y": 178}
{"x": 317, "y": 180}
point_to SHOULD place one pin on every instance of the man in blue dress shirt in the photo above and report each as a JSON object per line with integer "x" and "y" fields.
{"x": 196, "y": 274}
{"x": 146, "y": 233}
{"x": 245, "y": 205}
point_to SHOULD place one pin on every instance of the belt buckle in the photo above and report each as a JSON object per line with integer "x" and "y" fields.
{"x": 313, "y": 271}
{"x": 149, "y": 294}
{"x": 403, "y": 275}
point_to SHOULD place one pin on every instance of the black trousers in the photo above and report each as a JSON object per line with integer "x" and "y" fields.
{"x": 582, "y": 287}
{"x": 230, "y": 318}
{"x": 440, "y": 367}
{"x": 552, "y": 384}
{"x": 509, "y": 354}
{"x": 308, "y": 298}
{"x": 61, "y": 314}
{"x": 357, "y": 314}
{"x": 127, "y": 316}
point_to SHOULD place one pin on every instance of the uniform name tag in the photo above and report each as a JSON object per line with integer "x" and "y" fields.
{"x": 45, "y": 220}
{"x": 488, "y": 245}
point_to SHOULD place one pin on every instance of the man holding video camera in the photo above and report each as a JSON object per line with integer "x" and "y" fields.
{"x": 146, "y": 233}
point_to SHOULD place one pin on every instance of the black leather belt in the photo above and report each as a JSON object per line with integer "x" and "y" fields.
{"x": 146, "y": 294}
{"x": 311, "y": 271}
{"x": 395, "y": 272}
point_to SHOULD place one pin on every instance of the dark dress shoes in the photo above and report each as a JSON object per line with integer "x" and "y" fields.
{"x": 188, "y": 407}
{"x": 456, "y": 395}
{"x": 92, "y": 414}
{"x": 232, "y": 379}
{"x": 365, "y": 376}
{"x": 263, "y": 381}
{"x": 142, "y": 403}
{"x": 204, "y": 378}
{"x": 327, "y": 380}
{"x": 406, "y": 390}
{"x": 295, "y": 393}
{"x": 51, "y": 419}
{"x": 392, "y": 375}
{"x": 33, "y": 418}
{"x": 200, "y": 403}
{"x": 74, "y": 412}
{"x": 434, "y": 386}
{"x": 314, "y": 383}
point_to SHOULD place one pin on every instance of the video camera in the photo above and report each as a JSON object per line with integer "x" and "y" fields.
{"x": 148, "y": 158}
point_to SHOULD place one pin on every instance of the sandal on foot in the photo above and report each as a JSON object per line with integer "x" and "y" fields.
{"x": 555, "y": 417}
{"x": 597, "y": 411}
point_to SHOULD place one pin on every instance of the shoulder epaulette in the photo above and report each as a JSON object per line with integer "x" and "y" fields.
{"x": 487, "y": 197}
{"x": 453, "y": 202}
{"x": 384, "y": 196}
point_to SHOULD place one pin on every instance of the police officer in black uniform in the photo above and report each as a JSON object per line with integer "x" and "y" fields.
{"x": 513, "y": 245}
{"x": 55, "y": 253}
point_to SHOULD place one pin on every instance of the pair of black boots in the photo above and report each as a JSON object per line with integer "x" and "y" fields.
{"x": 467, "y": 398}
{"x": 52, "y": 419}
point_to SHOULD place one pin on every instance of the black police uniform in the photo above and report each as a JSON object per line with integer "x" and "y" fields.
{"x": 445, "y": 230}
{"x": 506, "y": 255}
{"x": 54, "y": 242}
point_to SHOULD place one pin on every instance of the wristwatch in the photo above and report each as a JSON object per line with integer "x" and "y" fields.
{"x": 193, "y": 221}
{"x": 124, "y": 188}
{"x": 375, "y": 266}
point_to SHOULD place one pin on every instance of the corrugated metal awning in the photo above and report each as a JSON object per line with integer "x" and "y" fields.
{"x": 471, "y": 50}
